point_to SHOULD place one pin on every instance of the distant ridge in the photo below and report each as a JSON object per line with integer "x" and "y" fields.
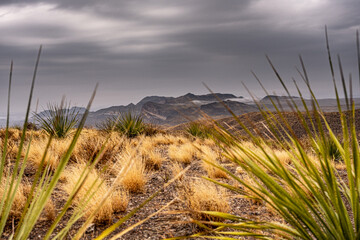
{"x": 175, "y": 110}
{"x": 276, "y": 97}
{"x": 171, "y": 111}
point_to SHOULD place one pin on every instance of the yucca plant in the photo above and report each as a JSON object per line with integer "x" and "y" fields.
{"x": 198, "y": 130}
{"x": 332, "y": 148}
{"x": 129, "y": 124}
{"x": 314, "y": 200}
{"x": 58, "y": 120}
{"x": 44, "y": 182}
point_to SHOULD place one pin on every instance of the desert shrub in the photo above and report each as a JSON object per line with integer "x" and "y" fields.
{"x": 19, "y": 199}
{"x": 129, "y": 124}
{"x": 328, "y": 146}
{"x": 198, "y": 130}
{"x": 314, "y": 200}
{"x": 58, "y": 120}
{"x": 151, "y": 129}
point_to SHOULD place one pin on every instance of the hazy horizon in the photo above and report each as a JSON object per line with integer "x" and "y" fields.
{"x": 135, "y": 49}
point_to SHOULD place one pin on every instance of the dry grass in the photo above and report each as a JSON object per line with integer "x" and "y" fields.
{"x": 20, "y": 197}
{"x": 135, "y": 178}
{"x": 202, "y": 195}
{"x": 117, "y": 201}
{"x": 57, "y": 149}
{"x": 210, "y": 157}
{"x": 139, "y": 154}
{"x": 147, "y": 144}
{"x": 184, "y": 153}
{"x": 161, "y": 139}
{"x": 49, "y": 211}
{"x": 175, "y": 169}
{"x": 90, "y": 143}
{"x": 153, "y": 159}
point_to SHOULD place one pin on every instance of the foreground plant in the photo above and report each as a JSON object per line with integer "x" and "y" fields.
{"x": 314, "y": 199}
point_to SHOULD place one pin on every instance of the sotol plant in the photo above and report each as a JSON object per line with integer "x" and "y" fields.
{"x": 58, "y": 120}
{"x": 198, "y": 130}
{"x": 315, "y": 201}
{"x": 129, "y": 124}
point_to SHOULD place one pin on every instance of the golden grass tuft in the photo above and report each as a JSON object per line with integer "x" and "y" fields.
{"x": 184, "y": 153}
{"x": 147, "y": 144}
{"x": 209, "y": 156}
{"x": 56, "y": 150}
{"x": 90, "y": 143}
{"x": 49, "y": 210}
{"x": 135, "y": 178}
{"x": 20, "y": 197}
{"x": 153, "y": 159}
{"x": 175, "y": 169}
{"x": 201, "y": 195}
{"x": 117, "y": 201}
{"x": 161, "y": 139}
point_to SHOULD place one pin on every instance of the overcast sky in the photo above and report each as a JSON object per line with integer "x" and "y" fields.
{"x": 137, "y": 48}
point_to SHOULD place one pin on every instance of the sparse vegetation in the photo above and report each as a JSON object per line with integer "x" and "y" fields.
{"x": 30, "y": 193}
{"x": 277, "y": 188}
{"x": 210, "y": 162}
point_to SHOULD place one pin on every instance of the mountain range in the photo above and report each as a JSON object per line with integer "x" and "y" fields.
{"x": 170, "y": 111}
{"x": 175, "y": 110}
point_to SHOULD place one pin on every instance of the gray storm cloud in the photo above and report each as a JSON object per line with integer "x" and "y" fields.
{"x": 137, "y": 48}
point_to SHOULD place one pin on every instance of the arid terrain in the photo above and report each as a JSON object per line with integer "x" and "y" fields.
{"x": 155, "y": 160}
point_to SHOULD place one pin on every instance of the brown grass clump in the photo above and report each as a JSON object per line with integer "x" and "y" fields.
{"x": 153, "y": 159}
{"x": 56, "y": 151}
{"x": 49, "y": 210}
{"x": 20, "y": 197}
{"x": 202, "y": 195}
{"x": 14, "y": 135}
{"x": 117, "y": 201}
{"x": 175, "y": 169}
{"x": 135, "y": 178}
{"x": 90, "y": 143}
{"x": 184, "y": 153}
{"x": 161, "y": 139}
{"x": 120, "y": 200}
{"x": 209, "y": 156}
{"x": 147, "y": 144}
{"x": 283, "y": 156}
